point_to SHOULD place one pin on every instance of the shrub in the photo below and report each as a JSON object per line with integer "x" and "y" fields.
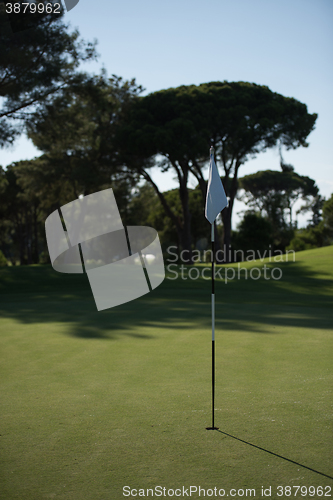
{"x": 3, "y": 260}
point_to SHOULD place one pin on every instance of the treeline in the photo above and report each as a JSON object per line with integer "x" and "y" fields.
{"x": 29, "y": 193}
{"x": 96, "y": 132}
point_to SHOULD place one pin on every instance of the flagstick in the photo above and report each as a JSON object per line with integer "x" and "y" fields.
{"x": 216, "y": 201}
{"x": 213, "y": 329}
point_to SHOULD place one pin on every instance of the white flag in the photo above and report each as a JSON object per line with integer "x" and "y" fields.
{"x": 216, "y": 199}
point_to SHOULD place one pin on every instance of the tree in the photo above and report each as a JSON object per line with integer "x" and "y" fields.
{"x": 19, "y": 218}
{"x": 254, "y": 233}
{"x": 318, "y": 235}
{"x": 275, "y": 193}
{"x": 29, "y": 191}
{"x": 76, "y": 130}
{"x": 177, "y": 126}
{"x": 328, "y": 214}
{"x": 34, "y": 64}
{"x": 145, "y": 208}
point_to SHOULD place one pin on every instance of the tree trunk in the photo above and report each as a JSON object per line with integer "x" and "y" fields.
{"x": 183, "y": 230}
{"x": 186, "y": 230}
{"x": 29, "y": 236}
{"x": 35, "y": 255}
{"x": 21, "y": 245}
{"x": 227, "y": 212}
{"x": 218, "y": 259}
{"x": 226, "y": 217}
{"x": 163, "y": 201}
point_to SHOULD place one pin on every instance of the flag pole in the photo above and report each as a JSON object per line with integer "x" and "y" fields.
{"x": 213, "y": 328}
{"x": 216, "y": 201}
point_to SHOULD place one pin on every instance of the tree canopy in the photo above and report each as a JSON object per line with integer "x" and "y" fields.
{"x": 239, "y": 119}
{"x": 316, "y": 235}
{"x": 255, "y": 233}
{"x": 98, "y": 132}
{"x": 35, "y": 63}
{"x": 76, "y": 133}
{"x": 275, "y": 193}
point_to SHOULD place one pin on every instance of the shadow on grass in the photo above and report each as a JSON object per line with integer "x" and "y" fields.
{"x": 302, "y": 298}
{"x": 275, "y": 454}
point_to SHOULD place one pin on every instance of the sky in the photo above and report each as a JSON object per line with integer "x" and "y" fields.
{"x": 285, "y": 45}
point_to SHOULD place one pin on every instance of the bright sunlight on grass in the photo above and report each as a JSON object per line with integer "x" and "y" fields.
{"x": 94, "y": 401}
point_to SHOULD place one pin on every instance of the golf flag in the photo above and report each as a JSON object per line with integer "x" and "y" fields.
{"x": 216, "y": 199}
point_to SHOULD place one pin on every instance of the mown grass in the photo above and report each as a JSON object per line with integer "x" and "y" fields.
{"x": 93, "y": 401}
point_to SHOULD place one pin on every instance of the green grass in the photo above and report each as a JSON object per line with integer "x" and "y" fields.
{"x": 93, "y": 401}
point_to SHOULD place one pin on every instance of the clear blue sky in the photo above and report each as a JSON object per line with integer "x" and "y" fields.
{"x": 286, "y": 45}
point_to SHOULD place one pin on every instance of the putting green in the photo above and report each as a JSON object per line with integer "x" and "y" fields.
{"x": 95, "y": 401}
